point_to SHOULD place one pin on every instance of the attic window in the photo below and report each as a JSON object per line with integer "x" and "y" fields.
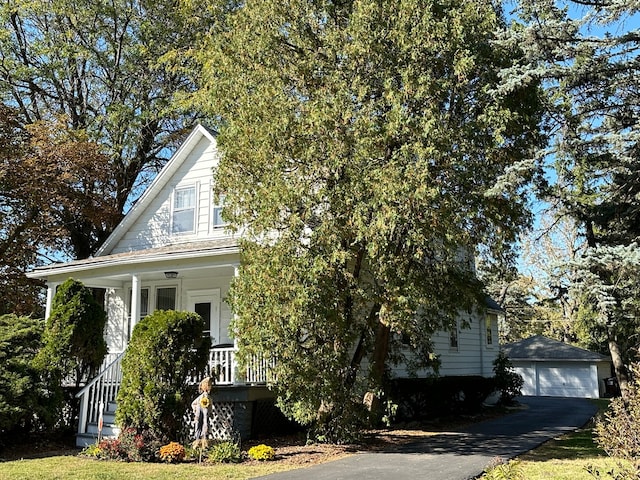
{"x": 184, "y": 210}
{"x": 218, "y": 221}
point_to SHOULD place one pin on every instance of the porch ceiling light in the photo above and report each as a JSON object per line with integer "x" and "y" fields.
{"x": 171, "y": 274}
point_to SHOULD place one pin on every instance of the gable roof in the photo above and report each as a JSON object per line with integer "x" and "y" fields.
{"x": 541, "y": 348}
{"x": 492, "y": 305}
{"x": 156, "y": 186}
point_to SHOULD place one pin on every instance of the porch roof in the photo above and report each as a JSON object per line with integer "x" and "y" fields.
{"x": 165, "y": 253}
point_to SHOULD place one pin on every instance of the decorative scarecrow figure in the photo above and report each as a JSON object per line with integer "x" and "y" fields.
{"x": 201, "y": 407}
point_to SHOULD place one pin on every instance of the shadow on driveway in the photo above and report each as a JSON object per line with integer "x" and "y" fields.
{"x": 463, "y": 454}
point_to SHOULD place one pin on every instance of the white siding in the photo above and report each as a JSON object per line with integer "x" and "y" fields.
{"x": 153, "y": 226}
{"x": 116, "y": 328}
{"x": 472, "y": 357}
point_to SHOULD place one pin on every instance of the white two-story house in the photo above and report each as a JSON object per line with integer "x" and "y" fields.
{"x": 172, "y": 251}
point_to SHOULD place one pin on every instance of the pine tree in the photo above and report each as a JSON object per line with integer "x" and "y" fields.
{"x": 586, "y": 55}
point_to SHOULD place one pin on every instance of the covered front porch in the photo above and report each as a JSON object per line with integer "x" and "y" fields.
{"x": 98, "y": 399}
{"x": 131, "y": 285}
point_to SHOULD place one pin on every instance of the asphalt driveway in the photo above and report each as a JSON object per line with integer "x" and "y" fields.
{"x": 463, "y": 454}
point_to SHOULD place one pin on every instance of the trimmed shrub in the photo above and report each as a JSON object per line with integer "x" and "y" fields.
{"x": 166, "y": 348}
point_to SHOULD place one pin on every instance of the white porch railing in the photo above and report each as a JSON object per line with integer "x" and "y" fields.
{"x": 103, "y": 389}
{"x": 99, "y": 392}
{"x": 223, "y": 367}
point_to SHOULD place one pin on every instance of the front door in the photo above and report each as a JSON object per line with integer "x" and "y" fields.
{"x": 206, "y": 303}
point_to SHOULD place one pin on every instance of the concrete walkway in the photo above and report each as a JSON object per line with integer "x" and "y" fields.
{"x": 463, "y": 454}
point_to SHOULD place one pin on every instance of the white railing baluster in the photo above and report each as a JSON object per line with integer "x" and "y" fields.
{"x": 102, "y": 388}
{"x": 222, "y": 362}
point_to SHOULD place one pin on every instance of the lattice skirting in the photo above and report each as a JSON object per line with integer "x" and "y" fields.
{"x": 221, "y": 421}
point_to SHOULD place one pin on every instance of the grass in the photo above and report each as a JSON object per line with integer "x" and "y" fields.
{"x": 569, "y": 457}
{"x": 79, "y": 468}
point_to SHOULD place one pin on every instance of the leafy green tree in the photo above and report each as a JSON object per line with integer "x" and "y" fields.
{"x": 586, "y": 55}
{"x": 367, "y": 152}
{"x": 110, "y": 68}
{"x": 23, "y": 396}
{"x": 166, "y": 349}
{"x": 73, "y": 342}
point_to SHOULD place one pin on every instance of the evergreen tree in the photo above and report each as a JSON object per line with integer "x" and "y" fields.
{"x": 73, "y": 342}
{"x": 586, "y": 55}
{"x": 366, "y": 153}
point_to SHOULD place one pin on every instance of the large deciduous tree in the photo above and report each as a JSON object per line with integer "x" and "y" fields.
{"x": 110, "y": 68}
{"x": 587, "y": 56}
{"x": 54, "y": 189}
{"x": 366, "y": 153}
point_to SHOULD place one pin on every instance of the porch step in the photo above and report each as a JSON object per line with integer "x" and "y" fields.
{"x": 109, "y": 428}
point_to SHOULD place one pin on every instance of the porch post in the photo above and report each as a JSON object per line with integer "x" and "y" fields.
{"x": 51, "y": 290}
{"x": 236, "y": 273}
{"x": 135, "y": 302}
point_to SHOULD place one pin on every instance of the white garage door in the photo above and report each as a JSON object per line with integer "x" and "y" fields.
{"x": 528, "y": 374}
{"x": 566, "y": 381}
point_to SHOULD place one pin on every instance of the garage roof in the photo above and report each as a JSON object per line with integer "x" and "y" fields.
{"x": 540, "y": 348}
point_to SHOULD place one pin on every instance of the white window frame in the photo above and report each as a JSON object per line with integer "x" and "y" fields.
{"x": 216, "y": 208}
{"x": 194, "y": 208}
{"x": 143, "y": 312}
{"x": 488, "y": 328}
{"x": 166, "y": 287}
{"x": 454, "y": 333}
{"x": 152, "y": 297}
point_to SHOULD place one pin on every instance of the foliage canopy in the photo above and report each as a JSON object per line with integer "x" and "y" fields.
{"x": 367, "y": 152}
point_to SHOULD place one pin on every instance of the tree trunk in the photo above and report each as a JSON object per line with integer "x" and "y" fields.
{"x": 378, "y": 362}
{"x": 381, "y": 349}
{"x": 618, "y": 365}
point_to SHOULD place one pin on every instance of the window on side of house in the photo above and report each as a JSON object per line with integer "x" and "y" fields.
{"x": 216, "y": 215}
{"x": 184, "y": 210}
{"x": 144, "y": 302}
{"x": 489, "y": 322}
{"x": 453, "y": 338}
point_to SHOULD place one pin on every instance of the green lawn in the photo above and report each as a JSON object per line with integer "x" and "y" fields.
{"x": 79, "y": 468}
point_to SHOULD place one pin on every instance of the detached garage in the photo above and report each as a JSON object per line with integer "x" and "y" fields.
{"x": 555, "y": 369}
